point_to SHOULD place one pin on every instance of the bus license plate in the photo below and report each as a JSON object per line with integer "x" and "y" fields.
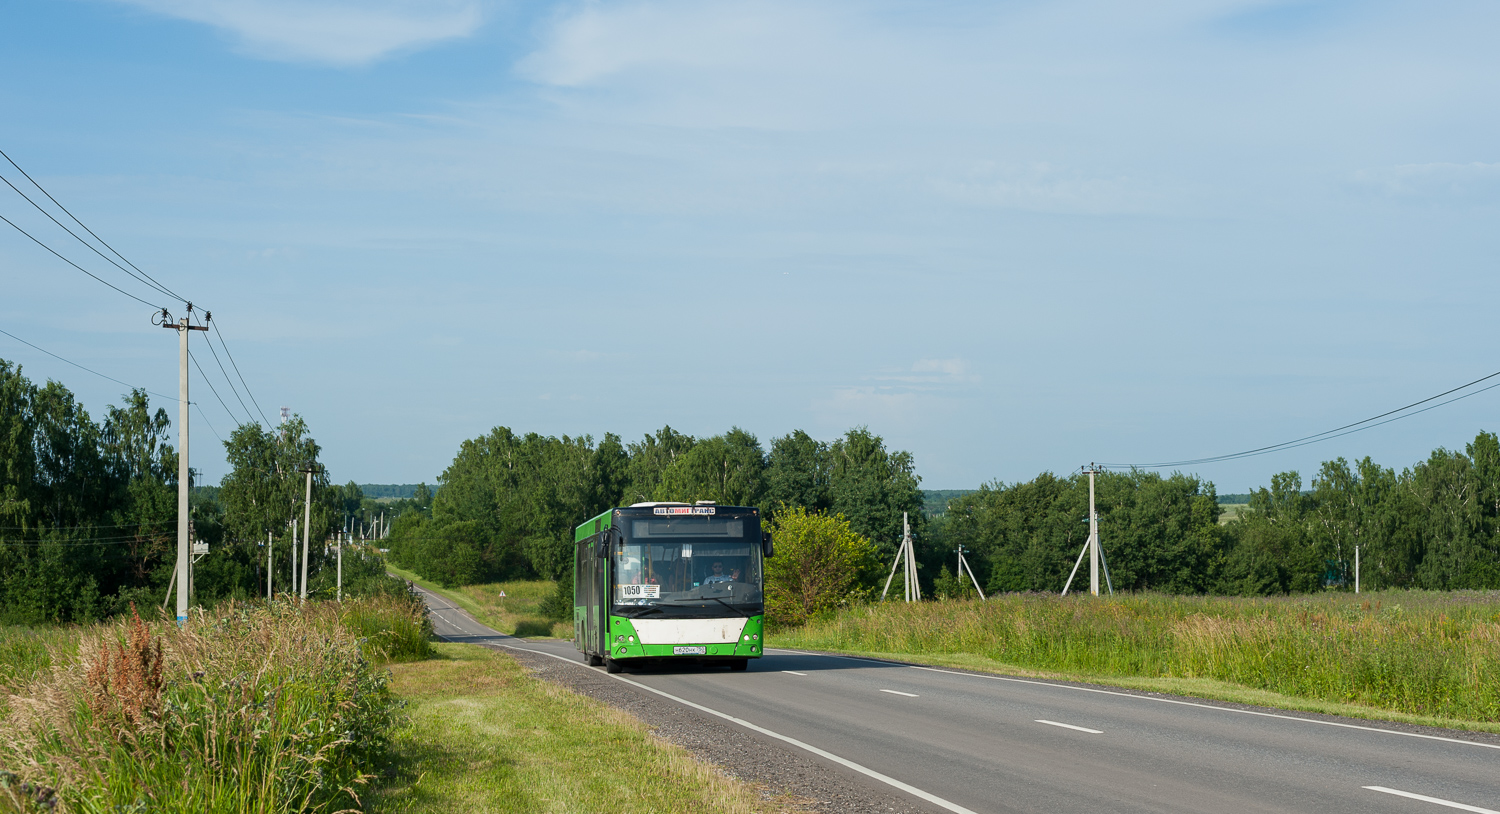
{"x": 697, "y": 650}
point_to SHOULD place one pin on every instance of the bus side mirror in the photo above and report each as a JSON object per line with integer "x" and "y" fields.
{"x": 767, "y": 547}
{"x": 601, "y": 549}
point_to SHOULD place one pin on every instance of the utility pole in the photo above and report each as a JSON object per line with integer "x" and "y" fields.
{"x": 1093, "y": 536}
{"x": 184, "y": 476}
{"x": 306, "y": 526}
{"x": 1091, "y": 545}
{"x": 338, "y": 540}
{"x": 294, "y": 556}
{"x": 270, "y": 560}
{"x": 907, "y": 556}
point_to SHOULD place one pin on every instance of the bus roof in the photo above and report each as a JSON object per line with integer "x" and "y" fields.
{"x": 605, "y": 519}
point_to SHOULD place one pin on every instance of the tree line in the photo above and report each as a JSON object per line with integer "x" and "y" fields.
{"x": 509, "y": 503}
{"x": 1434, "y": 525}
{"x": 88, "y": 510}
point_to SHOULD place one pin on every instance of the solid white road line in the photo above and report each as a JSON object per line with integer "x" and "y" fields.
{"x": 898, "y": 692}
{"x": 1070, "y": 726}
{"x": 1424, "y": 798}
{"x": 807, "y": 747}
{"x": 794, "y": 672}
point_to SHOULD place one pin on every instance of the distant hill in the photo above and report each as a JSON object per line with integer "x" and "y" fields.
{"x": 935, "y": 501}
{"x": 1229, "y": 500}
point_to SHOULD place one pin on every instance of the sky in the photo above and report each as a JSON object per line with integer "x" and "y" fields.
{"x": 1009, "y": 237}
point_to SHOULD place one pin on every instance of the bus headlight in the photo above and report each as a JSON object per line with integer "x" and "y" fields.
{"x": 632, "y": 640}
{"x": 757, "y": 637}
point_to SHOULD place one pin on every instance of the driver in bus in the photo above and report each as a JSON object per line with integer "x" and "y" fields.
{"x": 718, "y": 575}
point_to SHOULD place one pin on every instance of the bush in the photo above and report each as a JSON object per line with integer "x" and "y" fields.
{"x": 558, "y": 606}
{"x": 820, "y": 564}
{"x": 247, "y": 708}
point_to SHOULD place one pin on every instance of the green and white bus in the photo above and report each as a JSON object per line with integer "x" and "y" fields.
{"x": 670, "y": 581}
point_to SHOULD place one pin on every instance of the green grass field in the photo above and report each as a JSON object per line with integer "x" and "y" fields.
{"x": 1416, "y": 656}
{"x": 1231, "y": 511}
{"x": 518, "y": 612}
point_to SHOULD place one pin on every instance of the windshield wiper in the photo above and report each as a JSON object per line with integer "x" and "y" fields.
{"x": 635, "y": 613}
{"x": 717, "y": 599}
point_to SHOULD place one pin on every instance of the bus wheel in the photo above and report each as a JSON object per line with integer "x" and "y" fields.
{"x": 612, "y": 666}
{"x": 739, "y": 664}
{"x": 595, "y": 660}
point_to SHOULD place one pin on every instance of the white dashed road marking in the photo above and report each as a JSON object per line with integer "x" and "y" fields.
{"x": 1424, "y": 798}
{"x": 1070, "y": 726}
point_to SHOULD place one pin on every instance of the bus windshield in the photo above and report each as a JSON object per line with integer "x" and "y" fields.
{"x": 690, "y": 566}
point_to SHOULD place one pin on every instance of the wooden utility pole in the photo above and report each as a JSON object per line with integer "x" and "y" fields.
{"x": 184, "y": 474}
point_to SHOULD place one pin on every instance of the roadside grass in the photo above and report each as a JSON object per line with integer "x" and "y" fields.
{"x": 517, "y": 613}
{"x": 485, "y": 736}
{"x": 1417, "y": 657}
{"x": 249, "y": 707}
{"x": 26, "y": 651}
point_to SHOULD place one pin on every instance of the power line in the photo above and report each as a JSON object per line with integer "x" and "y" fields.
{"x": 76, "y": 266}
{"x": 158, "y": 285}
{"x": 86, "y": 370}
{"x": 232, "y": 388}
{"x": 211, "y": 388}
{"x": 107, "y": 259}
{"x": 1328, "y": 435}
{"x": 204, "y": 416}
{"x": 237, "y": 372}
{"x": 138, "y": 274}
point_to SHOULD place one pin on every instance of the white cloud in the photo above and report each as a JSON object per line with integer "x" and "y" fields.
{"x": 1432, "y": 183}
{"x": 336, "y": 33}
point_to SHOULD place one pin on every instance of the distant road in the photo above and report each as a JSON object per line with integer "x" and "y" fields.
{"x": 970, "y": 743}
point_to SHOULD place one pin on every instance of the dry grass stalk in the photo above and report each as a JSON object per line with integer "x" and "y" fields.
{"x": 125, "y": 681}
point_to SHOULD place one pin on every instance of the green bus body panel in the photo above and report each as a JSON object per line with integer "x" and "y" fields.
{"x": 621, "y": 628}
{"x": 589, "y": 639}
{"x": 589, "y": 527}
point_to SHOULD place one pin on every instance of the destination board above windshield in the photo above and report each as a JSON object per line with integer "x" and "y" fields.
{"x": 683, "y": 510}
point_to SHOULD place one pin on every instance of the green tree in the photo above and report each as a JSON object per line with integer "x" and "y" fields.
{"x": 650, "y": 459}
{"x": 729, "y": 469}
{"x": 798, "y": 472}
{"x": 873, "y": 487}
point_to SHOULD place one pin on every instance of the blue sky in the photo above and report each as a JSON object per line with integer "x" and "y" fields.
{"x": 1009, "y": 237}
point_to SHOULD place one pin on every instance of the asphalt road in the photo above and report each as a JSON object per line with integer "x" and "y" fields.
{"x": 966, "y": 742}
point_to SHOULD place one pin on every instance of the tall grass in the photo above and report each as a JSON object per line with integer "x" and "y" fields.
{"x": 26, "y": 651}
{"x": 248, "y": 708}
{"x": 1434, "y": 654}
